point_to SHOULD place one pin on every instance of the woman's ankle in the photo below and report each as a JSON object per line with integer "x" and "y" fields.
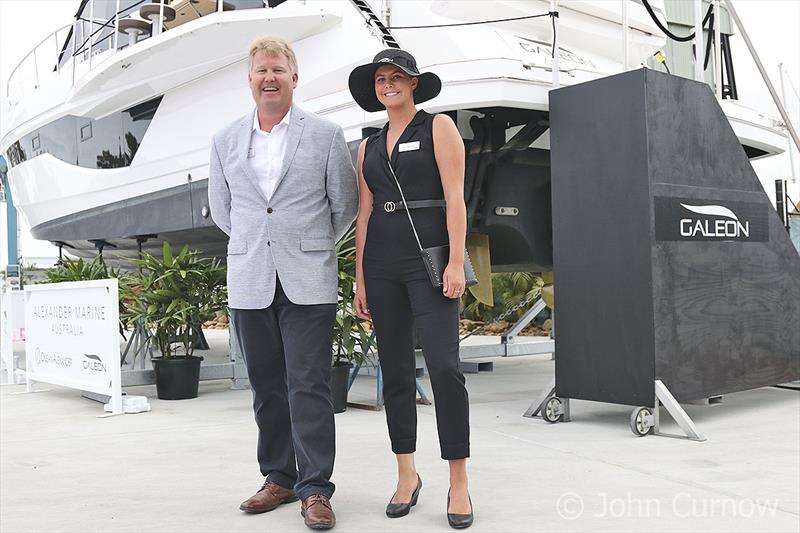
{"x": 407, "y": 476}
{"x": 459, "y": 486}
{"x": 406, "y": 468}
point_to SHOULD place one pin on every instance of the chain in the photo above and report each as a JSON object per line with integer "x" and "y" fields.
{"x": 502, "y": 316}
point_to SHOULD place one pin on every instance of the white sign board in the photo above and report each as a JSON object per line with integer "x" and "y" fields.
{"x": 72, "y": 336}
{"x": 12, "y": 328}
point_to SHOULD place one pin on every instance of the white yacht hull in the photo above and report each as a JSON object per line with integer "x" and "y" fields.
{"x": 200, "y": 69}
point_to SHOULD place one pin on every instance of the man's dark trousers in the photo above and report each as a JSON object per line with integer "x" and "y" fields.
{"x": 287, "y": 351}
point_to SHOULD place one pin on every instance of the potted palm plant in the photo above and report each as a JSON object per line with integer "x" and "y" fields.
{"x": 173, "y": 296}
{"x": 351, "y": 339}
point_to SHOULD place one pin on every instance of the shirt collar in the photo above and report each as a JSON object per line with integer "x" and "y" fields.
{"x": 284, "y": 120}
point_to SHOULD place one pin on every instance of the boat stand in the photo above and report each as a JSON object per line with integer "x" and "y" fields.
{"x": 378, "y": 405}
{"x": 511, "y": 345}
{"x": 139, "y": 341}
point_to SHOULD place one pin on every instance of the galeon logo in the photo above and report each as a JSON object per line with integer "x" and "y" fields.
{"x": 718, "y": 221}
{"x": 94, "y": 363}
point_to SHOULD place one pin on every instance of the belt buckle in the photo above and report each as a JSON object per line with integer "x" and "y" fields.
{"x": 389, "y": 207}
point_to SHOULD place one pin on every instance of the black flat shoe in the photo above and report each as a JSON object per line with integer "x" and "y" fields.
{"x": 459, "y": 521}
{"x": 396, "y": 510}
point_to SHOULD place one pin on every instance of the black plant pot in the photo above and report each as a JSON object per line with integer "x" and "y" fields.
{"x": 339, "y": 377}
{"x": 177, "y": 378}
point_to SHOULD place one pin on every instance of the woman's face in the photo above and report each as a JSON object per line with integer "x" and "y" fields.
{"x": 393, "y": 87}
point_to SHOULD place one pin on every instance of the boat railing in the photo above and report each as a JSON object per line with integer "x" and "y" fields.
{"x": 74, "y": 46}
{"x": 29, "y": 68}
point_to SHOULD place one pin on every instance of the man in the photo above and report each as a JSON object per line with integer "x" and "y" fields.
{"x": 283, "y": 187}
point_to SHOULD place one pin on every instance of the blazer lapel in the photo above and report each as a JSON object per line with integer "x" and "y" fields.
{"x": 243, "y": 137}
{"x": 292, "y": 142}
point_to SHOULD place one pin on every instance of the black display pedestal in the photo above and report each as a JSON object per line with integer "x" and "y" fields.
{"x": 670, "y": 263}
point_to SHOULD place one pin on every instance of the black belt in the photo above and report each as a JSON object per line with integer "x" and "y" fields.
{"x": 413, "y": 204}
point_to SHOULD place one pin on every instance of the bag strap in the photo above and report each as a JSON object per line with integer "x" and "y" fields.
{"x": 407, "y": 210}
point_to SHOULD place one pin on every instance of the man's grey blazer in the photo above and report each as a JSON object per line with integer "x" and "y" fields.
{"x": 293, "y": 235}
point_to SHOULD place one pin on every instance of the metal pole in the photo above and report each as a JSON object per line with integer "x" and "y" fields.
{"x": 780, "y": 202}
{"x": 698, "y": 40}
{"x": 91, "y": 32}
{"x": 72, "y": 51}
{"x": 36, "y": 67}
{"x": 11, "y": 217}
{"x": 386, "y": 13}
{"x": 778, "y": 103}
{"x": 717, "y": 68}
{"x": 626, "y": 36}
{"x": 116, "y": 28}
{"x": 791, "y": 148}
{"x": 160, "y": 17}
{"x": 554, "y": 9}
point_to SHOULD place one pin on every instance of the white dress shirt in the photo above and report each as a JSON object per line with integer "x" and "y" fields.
{"x": 266, "y": 153}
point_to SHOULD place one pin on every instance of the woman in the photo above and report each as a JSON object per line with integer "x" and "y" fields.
{"x": 426, "y": 155}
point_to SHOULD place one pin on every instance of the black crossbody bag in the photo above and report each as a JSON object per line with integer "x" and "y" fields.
{"x": 436, "y": 257}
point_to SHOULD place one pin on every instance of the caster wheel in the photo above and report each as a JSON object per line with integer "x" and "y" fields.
{"x": 553, "y": 410}
{"x": 642, "y": 422}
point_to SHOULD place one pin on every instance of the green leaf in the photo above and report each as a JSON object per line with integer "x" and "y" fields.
{"x": 167, "y": 251}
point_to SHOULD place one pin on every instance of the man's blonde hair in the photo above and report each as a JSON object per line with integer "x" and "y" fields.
{"x": 273, "y": 46}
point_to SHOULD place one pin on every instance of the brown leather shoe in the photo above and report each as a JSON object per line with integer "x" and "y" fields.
{"x": 269, "y": 496}
{"x": 318, "y": 512}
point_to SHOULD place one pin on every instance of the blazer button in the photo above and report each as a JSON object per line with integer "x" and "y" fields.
{"x": 269, "y": 210}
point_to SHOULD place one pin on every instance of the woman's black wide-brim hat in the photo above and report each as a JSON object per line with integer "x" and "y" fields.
{"x": 362, "y": 79}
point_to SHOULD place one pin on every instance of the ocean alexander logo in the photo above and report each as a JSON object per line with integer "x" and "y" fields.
{"x": 718, "y": 221}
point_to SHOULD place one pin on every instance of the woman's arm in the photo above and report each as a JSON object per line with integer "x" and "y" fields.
{"x": 362, "y": 221}
{"x": 449, "y": 151}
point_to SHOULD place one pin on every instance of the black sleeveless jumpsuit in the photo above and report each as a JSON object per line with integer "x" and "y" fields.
{"x": 400, "y": 295}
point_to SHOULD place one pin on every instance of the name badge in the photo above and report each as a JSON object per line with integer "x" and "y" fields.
{"x": 408, "y": 147}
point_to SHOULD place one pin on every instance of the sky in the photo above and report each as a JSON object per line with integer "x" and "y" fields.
{"x": 773, "y": 26}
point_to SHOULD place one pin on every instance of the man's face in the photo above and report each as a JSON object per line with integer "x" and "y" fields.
{"x": 272, "y": 81}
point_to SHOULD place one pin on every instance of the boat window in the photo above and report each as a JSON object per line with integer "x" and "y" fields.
{"x": 135, "y": 122}
{"x": 59, "y": 139}
{"x": 86, "y": 132}
{"x": 104, "y": 148}
{"x": 15, "y": 154}
{"x": 110, "y": 142}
